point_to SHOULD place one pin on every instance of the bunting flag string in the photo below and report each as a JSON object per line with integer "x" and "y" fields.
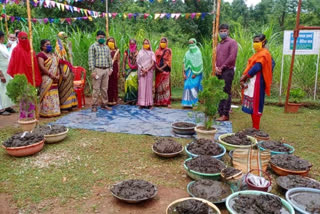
{"x": 91, "y": 1}
{"x": 129, "y": 16}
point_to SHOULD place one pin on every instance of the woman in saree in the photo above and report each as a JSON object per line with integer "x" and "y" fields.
{"x": 5, "y": 102}
{"x": 163, "y": 68}
{"x": 49, "y": 67}
{"x": 67, "y": 95}
{"x": 146, "y": 61}
{"x": 113, "y": 78}
{"x": 192, "y": 74}
{"x": 256, "y": 80}
{"x": 129, "y": 71}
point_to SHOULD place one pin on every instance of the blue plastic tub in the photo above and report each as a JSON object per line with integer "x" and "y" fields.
{"x": 275, "y": 152}
{"x": 292, "y": 191}
{"x": 219, "y": 157}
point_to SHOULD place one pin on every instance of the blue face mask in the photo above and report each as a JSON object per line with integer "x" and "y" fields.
{"x": 223, "y": 35}
{"x": 49, "y": 48}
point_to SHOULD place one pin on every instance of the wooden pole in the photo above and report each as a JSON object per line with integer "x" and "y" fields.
{"x": 295, "y": 37}
{"x": 107, "y": 19}
{"x": 31, "y": 52}
{"x": 6, "y": 19}
{"x": 215, "y": 30}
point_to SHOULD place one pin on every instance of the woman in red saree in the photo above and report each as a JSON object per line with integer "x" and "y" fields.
{"x": 20, "y": 61}
{"x": 113, "y": 78}
{"x": 163, "y": 67}
{"x": 256, "y": 80}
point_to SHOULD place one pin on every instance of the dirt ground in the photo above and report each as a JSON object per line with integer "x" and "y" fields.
{"x": 102, "y": 202}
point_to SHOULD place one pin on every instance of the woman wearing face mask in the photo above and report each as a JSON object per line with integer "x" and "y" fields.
{"x": 145, "y": 60}
{"x": 5, "y": 101}
{"x": 256, "y": 80}
{"x": 113, "y": 78}
{"x": 20, "y": 61}
{"x": 163, "y": 67}
{"x": 129, "y": 72}
{"x": 192, "y": 74}
{"x": 49, "y": 67}
{"x": 68, "y": 99}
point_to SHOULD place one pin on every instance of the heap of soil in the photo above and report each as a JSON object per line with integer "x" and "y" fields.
{"x": 50, "y": 130}
{"x": 210, "y": 190}
{"x": 230, "y": 171}
{"x": 184, "y": 125}
{"x": 204, "y": 147}
{"x": 267, "y": 204}
{"x": 308, "y": 201}
{"x": 17, "y": 140}
{"x": 293, "y": 181}
{"x": 275, "y": 146}
{"x": 191, "y": 207}
{"x": 205, "y": 164}
{"x": 134, "y": 190}
{"x": 290, "y": 162}
{"x": 254, "y": 132}
{"x": 238, "y": 139}
{"x": 167, "y": 145}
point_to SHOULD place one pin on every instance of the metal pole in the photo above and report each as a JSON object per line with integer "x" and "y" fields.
{"x": 215, "y": 37}
{"x": 316, "y": 79}
{"x": 107, "y": 19}
{"x": 281, "y": 76}
{"x": 295, "y": 36}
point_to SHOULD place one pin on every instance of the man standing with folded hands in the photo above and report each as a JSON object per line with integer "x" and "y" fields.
{"x": 100, "y": 64}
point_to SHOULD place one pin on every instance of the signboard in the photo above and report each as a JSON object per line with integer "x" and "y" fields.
{"x": 308, "y": 42}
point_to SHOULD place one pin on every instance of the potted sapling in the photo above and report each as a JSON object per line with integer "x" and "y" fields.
{"x": 23, "y": 94}
{"x": 209, "y": 99}
{"x": 296, "y": 96}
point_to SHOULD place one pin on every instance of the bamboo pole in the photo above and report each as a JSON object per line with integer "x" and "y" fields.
{"x": 215, "y": 30}
{"x": 107, "y": 19}
{"x": 31, "y": 52}
{"x": 6, "y": 19}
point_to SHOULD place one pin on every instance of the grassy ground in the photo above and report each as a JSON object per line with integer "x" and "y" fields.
{"x": 69, "y": 170}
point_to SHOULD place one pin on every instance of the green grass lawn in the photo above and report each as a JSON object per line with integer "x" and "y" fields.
{"x": 70, "y": 169}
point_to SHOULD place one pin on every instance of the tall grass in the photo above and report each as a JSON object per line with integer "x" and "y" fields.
{"x": 304, "y": 72}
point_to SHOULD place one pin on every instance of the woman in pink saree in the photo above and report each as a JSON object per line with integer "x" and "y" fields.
{"x": 146, "y": 61}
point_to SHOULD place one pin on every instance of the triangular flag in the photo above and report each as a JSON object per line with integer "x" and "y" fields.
{"x": 150, "y": 17}
{"x": 114, "y": 15}
{"x": 90, "y": 18}
{"x": 130, "y": 15}
{"x": 125, "y": 16}
{"x": 62, "y": 20}
{"x": 86, "y": 12}
{"x": 168, "y": 15}
{"x": 58, "y": 5}
{"x": 156, "y": 15}
{"x": 53, "y": 3}
{"x": 193, "y": 15}
{"x": 40, "y": 21}
{"x": 145, "y": 16}
{"x": 62, "y": 7}
{"x": 183, "y": 15}
{"x": 187, "y": 15}
{"x": 45, "y": 20}
{"x": 198, "y": 15}
{"x": 67, "y": 7}
{"x": 71, "y": 9}
{"x": 68, "y": 20}
{"x": 162, "y": 15}
{"x": 178, "y": 15}
{"x": 74, "y": 19}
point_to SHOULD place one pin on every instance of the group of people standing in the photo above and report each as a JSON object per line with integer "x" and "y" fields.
{"x": 138, "y": 67}
{"x": 52, "y": 69}
{"x": 54, "y": 77}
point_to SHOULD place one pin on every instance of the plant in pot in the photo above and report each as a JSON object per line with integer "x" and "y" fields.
{"x": 209, "y": 99}
{"x": 25, "y": 95}
{"x": 296, "y": 95}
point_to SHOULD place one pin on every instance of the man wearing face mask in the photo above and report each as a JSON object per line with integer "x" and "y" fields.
{"x": 12, "y": 43}
{"x": 100, "y": 64}
{"x": 227, "y": 51}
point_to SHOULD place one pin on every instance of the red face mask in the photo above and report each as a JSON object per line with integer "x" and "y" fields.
{"x": 24, "y": 43}
{"x": 133, "y": 47}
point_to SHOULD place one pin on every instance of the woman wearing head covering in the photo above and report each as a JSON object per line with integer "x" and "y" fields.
{"x": 67, "y": 95}
{"x": 5, "y": 101}
{"x": 50, "y": 70}
{"x": 145, "y": 60}
{"x": 129, "y": 71}
{"x": 20, "y": 61}
{"x": 256, "y": 80}
{"x": 192, "y": 73}
{"x": 113, "y": 78}
{"x": 163, "y": 67}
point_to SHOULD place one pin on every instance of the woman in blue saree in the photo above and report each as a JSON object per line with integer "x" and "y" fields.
{"x": 192, "y": 73}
